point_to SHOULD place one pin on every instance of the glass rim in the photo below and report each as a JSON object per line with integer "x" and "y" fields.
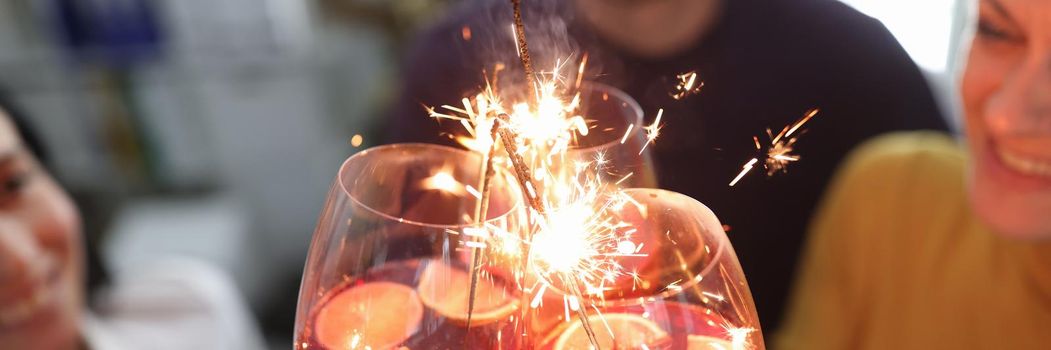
{"x": 719, "y": 251}
{"x": 393, "y": 146}
{"x": 624, "y": 97}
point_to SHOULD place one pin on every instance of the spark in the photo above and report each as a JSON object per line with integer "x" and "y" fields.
{"x": 539, "y": 297}
{"x": 574, "y": 240}
{"x": 624, "y": 178}
{"x": 653, "y": 130}
{"x": 714, "y": 296}
{"x": 778, "y": 155}
{"x": 565, "y": 306}
{"x": 549, "y": 123}
{"x": 475, "y": 232}
{"x": 687, "y": 85}
{"x": 514, "y": 35}
{"x": 739, "y": 336}
{"x": 355, "y": 341}
{"x": 580, "y": 241}
{"x": 580, "y": 70}
{"x": 627, "y": 133}
{"x": 674, "y": 285}
{"x": 626, "y": 247}
{"x": 356, "y": 140}
{"x": 600, "y": 160}
{"x": 474, "y": 192}
{"x": 744, "y": 170}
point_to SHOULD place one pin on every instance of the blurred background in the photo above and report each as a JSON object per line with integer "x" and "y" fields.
{"x": 213, "y": 128}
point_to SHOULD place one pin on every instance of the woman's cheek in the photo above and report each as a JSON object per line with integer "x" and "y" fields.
{"x": 980, "y": 80}
{"x": 59, "y": 228}
{"x": 58, "y": 222}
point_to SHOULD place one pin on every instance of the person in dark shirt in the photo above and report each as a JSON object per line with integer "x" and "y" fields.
{"x": 763, "y": 64}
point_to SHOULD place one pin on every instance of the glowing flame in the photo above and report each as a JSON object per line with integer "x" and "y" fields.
{"x": 739, "y": 336}
{"x": 549, "y": 122}
{"x": 579, "y": 244}
{"x": 465, "y": 33}
{"x": 445, "y": 182}
{"x": 564, "y": 245}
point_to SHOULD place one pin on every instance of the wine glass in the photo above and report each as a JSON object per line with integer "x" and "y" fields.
{"x": 616, "y": 136}
{"x": 686, "y": 289}
{"x": 387, "y": 266}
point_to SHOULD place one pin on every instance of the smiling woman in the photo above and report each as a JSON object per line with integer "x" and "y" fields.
{"x": 921, "y": 245}
{"x": 40, "y": 252}
{"x": 1007, "y": 101}
{"x": 164, "y": 304}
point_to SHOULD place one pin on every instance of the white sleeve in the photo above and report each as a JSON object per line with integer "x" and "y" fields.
{"x": 172, "y": 304}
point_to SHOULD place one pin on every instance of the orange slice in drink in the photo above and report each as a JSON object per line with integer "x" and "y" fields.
{"x": 377, "y": 315}
{"x": 446, "y": 289}
{"x": 629, "y": 331}
{"x": 704, "y": 342}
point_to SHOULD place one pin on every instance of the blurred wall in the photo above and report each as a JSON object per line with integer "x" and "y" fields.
{"x": 218, "y": 136}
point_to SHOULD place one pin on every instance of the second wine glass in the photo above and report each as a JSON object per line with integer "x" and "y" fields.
{"x": 388, "y": 264}
{"x": 686, "y": 289}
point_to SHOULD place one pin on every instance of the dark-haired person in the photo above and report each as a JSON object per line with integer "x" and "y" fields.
{"x": 167, "y": 305}
{"x": 763, "y": 62}
{"x": 927, "y": 242}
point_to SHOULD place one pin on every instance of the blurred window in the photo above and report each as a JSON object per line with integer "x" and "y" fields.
{"x": 924, "y": 28}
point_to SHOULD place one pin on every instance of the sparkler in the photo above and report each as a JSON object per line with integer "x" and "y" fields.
{"x": 537, "y": 131}
{"x": 536, "y": 204}
{"x": 575, "y": 240}
{"x": 779, "y": 154}
{"x": 547, "y": 128}
{"x": 481, "y": 212}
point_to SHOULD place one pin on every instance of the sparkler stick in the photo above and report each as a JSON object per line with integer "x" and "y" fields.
{"x": 522, "y": 174}
{"x": 480, "y": 213}
{"x": 523, "y": 47}
{"x": 522, "y": 170}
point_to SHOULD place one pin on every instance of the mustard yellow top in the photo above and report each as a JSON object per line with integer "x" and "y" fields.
{"x": 897, "y": 260}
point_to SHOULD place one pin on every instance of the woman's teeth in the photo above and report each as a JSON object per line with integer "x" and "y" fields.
{"x": 1024, "y": 164}
{"x": 25, "y": 308}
